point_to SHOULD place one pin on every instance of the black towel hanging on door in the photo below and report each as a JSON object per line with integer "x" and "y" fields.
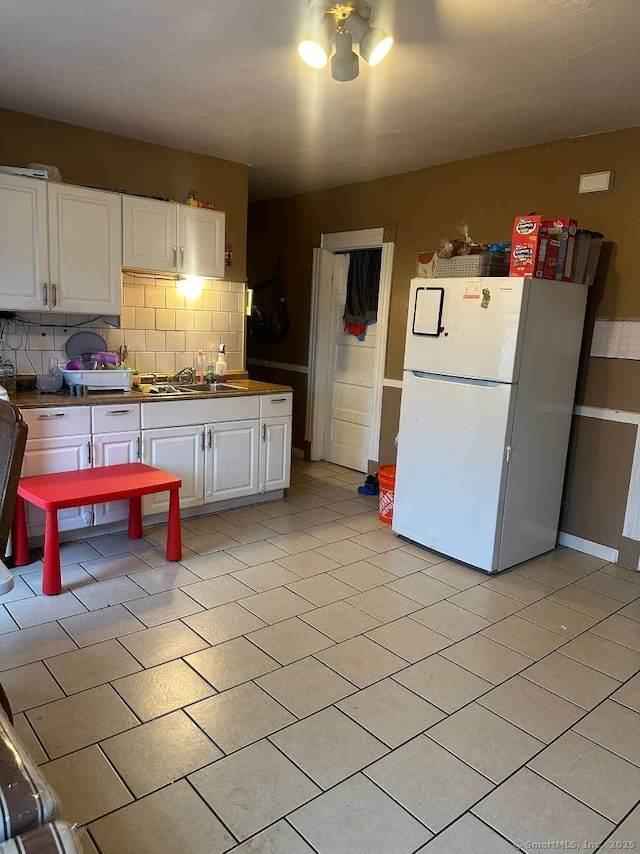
{"x": 363, "y": 285}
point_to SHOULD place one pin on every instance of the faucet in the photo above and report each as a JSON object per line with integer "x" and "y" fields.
{"x": 189, "y": 372}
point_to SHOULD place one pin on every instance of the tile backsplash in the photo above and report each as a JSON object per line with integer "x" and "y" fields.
{"x": 162, "y": 327}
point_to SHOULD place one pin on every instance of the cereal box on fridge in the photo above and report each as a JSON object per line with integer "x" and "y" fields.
{"x": 565, "y": 231}
{"x": 553, "y": 258}
{"x": 525, "y": 245}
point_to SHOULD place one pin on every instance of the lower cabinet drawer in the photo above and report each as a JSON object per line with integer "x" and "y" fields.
{"x": 273, "y": 405}
{"x": 115, "y": 418}
{"x": 52, "y": 422}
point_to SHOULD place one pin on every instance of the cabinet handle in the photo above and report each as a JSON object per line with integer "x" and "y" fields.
{"x": 202, "y": 441}
{"x": 45, "y": 294}
{"x": 264, "y": 432}
{"x": 278, "y": 400}
{"x": 182, "y": 257}
{"x": 175, "y": 257}
{"x": 210, "y": 432}
{"x": 54, "y": 295}
{"x": 117, "y": 411}
{"x": 52, "y": 415}
{"x": 138, "y": 447}
{"x": 89, "y": 453}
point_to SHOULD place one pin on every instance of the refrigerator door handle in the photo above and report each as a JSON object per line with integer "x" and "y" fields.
{"x": 461, "y": 380}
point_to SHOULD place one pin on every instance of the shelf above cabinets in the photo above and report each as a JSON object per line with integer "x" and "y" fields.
{"x": 165, "y": 237}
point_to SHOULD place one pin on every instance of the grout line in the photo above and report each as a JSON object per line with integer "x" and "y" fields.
{"x": 451, "y": 642}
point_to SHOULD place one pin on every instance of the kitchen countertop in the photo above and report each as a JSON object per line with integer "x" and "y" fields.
{"x": 33, "y": 399}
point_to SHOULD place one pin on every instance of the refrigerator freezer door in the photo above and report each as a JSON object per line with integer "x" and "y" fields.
{"x": 452, "y": 464}
{"x": 466, "y": 327}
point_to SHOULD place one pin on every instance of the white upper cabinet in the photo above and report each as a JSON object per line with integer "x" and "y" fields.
{"x": 201, "y": 242}
{"x": 85, "y": 250}
{"x": 170, "y": 238}
{"x": 24, "y": 268}
{"x": 60, "y": 247}
{"x": 150, "y": 235}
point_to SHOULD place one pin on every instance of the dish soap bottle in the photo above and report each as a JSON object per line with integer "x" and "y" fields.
{"x": 200, "y": 365}
{"x": 211, "y": 374}
{"x": 221, "y": 364}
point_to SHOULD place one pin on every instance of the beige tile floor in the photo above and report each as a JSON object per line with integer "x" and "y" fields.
{"x": 304, "y": 681}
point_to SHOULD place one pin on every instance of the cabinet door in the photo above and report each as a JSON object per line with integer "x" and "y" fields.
{"x": 114, "y": 449}
{"x": 275, "y": 453}
{"x": 85, "y": 250}
{"x": 23, "y": 243}
{"x": 150, "y": 235}
{"x": 178, "y": 450}
{"x": 200, "y": 242}
{"x": 46, "y": 456}
{"x": 232, "y": 460}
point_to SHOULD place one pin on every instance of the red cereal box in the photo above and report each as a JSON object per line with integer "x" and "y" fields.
{"x": 525, "y": 245}
{"x": 542, "y": 255}
{"x": 565, "y": 231}
{"x": 552, "y": 259}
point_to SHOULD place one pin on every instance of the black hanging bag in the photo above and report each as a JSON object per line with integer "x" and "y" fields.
{"x": 269, "y": 319}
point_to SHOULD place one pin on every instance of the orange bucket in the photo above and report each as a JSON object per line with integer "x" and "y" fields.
{"x": 387, "y": 483}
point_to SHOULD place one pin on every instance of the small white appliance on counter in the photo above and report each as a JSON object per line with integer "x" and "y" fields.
{"x": 488, "y": 389}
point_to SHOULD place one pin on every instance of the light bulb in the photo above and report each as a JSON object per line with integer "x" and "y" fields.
{"x": 313, "y": 53}
{"x": 317, "y": 50}
{"x": 380, "y": 50}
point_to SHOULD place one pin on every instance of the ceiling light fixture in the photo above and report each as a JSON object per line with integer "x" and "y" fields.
{"x": 342, "y": 24}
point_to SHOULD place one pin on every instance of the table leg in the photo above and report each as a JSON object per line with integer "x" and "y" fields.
{"x": 20, "y": 544}
{"x": 135, "y": 517}
{"x": 51, "y": 580}
{"x": 174, "y": 538}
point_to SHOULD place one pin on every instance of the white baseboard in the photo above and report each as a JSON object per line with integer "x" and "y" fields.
{"x": 588, "y": 547}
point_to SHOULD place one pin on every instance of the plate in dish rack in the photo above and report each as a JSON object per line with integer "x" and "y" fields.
{"x": 84, "y": 342}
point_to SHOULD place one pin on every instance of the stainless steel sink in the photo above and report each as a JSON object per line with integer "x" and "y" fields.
{"x": 179, "y": 389}
{"x": 208, "y": 387}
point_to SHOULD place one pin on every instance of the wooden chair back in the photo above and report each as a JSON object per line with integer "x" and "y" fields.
{"x": 13, "y": 438}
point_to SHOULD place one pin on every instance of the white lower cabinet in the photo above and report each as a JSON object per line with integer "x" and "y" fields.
{"x": 231, "y": 461}
{"x": 275, "y": 453}
{"x": 47, "y": 456}
{"x": 114, "y": 449}
{"x": 236, "y": 448}
{"x": 178, "y": 450}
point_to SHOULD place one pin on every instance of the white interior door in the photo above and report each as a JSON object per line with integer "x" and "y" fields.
{"x": 349, "y": 405}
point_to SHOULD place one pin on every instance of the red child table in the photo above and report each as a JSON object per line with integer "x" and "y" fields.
{"x": 53, "y": 492}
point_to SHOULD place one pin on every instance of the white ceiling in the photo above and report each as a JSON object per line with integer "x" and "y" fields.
{"x": 223, "y": 77}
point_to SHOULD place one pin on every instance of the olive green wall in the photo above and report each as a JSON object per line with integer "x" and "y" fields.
{"x": 112, "y": 162}
{"x": 488, "y": 192}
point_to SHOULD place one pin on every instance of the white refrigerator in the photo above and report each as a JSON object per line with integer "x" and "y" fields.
{"x": 488, "y": 387}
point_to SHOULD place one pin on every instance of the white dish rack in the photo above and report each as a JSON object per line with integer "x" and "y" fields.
{"x": 116, "y": 380}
